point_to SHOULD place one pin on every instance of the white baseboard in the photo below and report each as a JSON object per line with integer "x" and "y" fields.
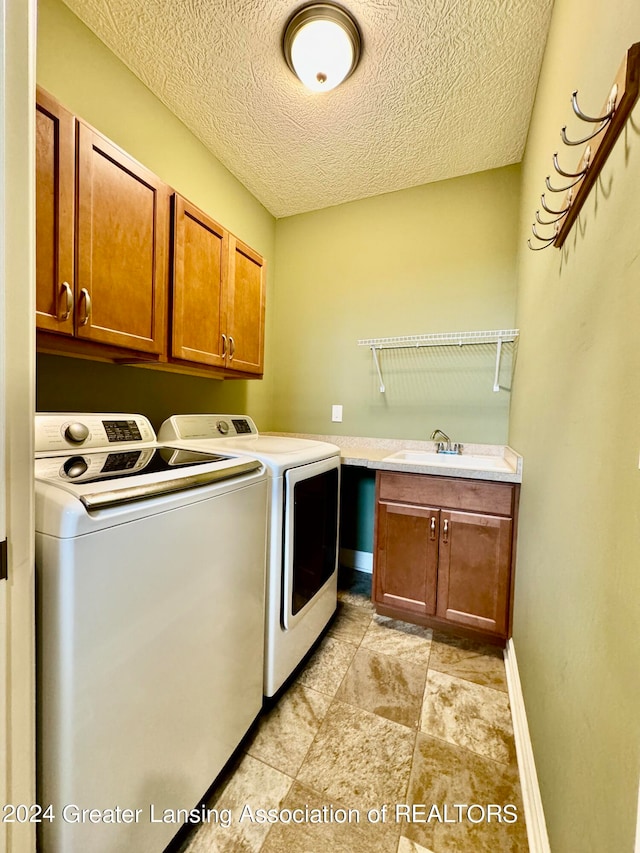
{"x": 533, "y": 811}
{"x": 637, "y": 847}
{"x": 360, "y": 560}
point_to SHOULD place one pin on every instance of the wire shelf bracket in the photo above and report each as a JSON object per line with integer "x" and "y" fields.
{"x": 441, "y": 339}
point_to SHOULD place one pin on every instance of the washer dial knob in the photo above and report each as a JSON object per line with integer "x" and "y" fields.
{"x": 223, "y": 427}
{"x": 76, "y": 432}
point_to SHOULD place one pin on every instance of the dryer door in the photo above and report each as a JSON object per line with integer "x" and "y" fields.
{"x": 310, "y": 535}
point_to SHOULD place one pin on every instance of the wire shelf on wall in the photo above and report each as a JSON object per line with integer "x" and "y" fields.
{"x": 441, "y": 339}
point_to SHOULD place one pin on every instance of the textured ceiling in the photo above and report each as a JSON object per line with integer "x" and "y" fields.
{"x": 443, "y": 88}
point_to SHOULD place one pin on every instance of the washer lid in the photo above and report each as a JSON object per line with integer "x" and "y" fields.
{"x": 238, "y": 434}
{"x": 99, "y": 466}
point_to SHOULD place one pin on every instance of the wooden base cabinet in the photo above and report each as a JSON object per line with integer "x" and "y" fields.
{"x": 443, "y": 553}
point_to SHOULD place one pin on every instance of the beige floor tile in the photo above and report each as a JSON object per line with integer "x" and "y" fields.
{"x": 405, "y": 845}
{"x": 386, "y": 686}
{"x": 467, "y": 659}
{"x": 284, "y": 735}
{"x": 253, "y": 784}
{"x": 445, "y": 775}
{"x": 354, "y": 588}
{"x": 350, "y": 623}
{"x": 358, "y": 758}
{"x": 327, "y": 666}
{"x": 357, "y": 599}
{"x": 332, "y": 835}
{"x": 399, "y": 639}
{"x": 468, "y": 715}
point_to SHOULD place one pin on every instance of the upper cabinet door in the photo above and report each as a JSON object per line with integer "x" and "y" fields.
{"x": 55, "y": 190}
{"x": 245, "y": 308}
{"x": 200, "y": 273}
{"x": 121, "y": 262}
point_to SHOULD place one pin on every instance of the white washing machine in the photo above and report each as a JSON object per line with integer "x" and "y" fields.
{"x": 150, "y": 627}
{"x": 302, "y": 568}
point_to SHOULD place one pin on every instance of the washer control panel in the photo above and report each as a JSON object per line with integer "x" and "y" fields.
{"x": 61, "y": 432}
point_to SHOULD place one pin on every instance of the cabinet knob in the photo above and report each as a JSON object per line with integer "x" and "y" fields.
{"x": 66, "y": 289}
{"x": 445, "y": 530}
{"x": 432, "y": 527}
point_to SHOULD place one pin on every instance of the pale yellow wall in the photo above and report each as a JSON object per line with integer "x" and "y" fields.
{"x": 89, "y": 80}
{"x": 433, "y": 258}
{"x": 576, "y": 419}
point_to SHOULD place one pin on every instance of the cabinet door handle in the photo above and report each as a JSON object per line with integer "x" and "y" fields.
{"x": 224, "y": 346}
{"x": 84, "y": 293}
{"x": 232, "y": 347}
{"x": 66, "y": 289}
{"x": 445, "y": 530}
{"x": 432, "y": 528}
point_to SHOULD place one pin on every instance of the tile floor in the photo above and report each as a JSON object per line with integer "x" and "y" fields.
{"x": 383, "y": 715}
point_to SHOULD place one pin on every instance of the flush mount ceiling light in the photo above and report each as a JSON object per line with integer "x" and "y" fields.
{"x": 322, "y": 45}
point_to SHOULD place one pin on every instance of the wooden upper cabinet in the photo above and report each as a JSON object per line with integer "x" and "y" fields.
{"x": 200, "y": 276}
{"x": 55, "y": 191}
{"x": 218, "y": 295}
{"x": 102, "y": 243}
{"x": 121, "y": 247}
{"x": 245, "y": 308}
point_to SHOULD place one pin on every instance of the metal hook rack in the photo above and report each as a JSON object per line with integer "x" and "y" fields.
{"x": 621, "y": 100}
{"x": 441, "y": 339}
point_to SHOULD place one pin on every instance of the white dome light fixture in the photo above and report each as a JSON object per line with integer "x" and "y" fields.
{"x": 322, "y": 45}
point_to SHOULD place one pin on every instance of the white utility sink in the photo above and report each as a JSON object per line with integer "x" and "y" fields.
{"x": 450, "y": 460}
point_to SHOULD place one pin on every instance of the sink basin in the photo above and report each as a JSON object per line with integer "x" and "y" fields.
{"x": 447, "y": 460}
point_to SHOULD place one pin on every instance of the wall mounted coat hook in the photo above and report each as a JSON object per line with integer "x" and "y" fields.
{"x": 547, "y": 181}
{"x": 538, "y": 237}
{"x": 545, "y": 206}
{"x": 621, "y": 99}
{"x": 579, "y": 174}
{"x": 611, "y": 104}
{"x": 540, "y": 248}
{"x": 550, "y": 221}
{"x": 567, "y": 141}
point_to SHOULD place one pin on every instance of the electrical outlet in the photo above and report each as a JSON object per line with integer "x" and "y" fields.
{"x": 336, "y": 414}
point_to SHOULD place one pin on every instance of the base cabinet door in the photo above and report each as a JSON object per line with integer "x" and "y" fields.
{"x": 474, "y": 570}
{"x": 406, "y": 557}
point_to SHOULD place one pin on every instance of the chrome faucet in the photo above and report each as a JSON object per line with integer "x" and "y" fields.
{"x": 445, "y": 446}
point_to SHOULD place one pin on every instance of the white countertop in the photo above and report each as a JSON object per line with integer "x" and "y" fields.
{"x": 374, "y": 452}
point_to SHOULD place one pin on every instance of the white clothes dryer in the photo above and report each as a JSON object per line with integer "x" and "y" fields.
{"x": 302, "y": 565}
